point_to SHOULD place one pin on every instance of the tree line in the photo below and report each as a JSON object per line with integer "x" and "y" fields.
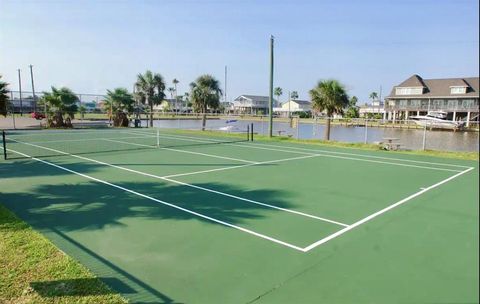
{"x": 328, "y": 96}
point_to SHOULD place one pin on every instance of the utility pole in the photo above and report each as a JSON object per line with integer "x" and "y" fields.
{"x": 20, "y": 91}
{"x": 33, "y": 90}
{"x": 225, "y": 90}
{"x": 289, "y": 99}
{"x": 270, "y": 106}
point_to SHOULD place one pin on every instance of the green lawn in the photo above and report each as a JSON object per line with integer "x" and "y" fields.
{"x": 33, "y": 270}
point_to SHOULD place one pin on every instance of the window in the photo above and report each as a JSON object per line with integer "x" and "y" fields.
{"x": 415, "y": 103}
{"x": 403, "y": 103}
{"x": 452, "y": 104}
{"x": 458, "y": 90}
{"x": 468, "y": 103}
{"x": 409, "y": 91}
{"x": 437, "y": 104}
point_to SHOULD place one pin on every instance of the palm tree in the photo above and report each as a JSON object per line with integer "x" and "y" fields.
{"x": 330, "y": 96}
{"x": 205, "y": 93}
{"x": 3, "y": 97}
{"x": 278, "y": 92}
{"x": 294, "y": 95}
{"x": 171, "y": 91}
{"x": 60, "y": 102}
{"x": 150, "y": 89}
{"x": 186, "y": 99}
{"x": 175, "y": 82}
{"x": 120, "y": 104}
{"x": 373, "y": 96}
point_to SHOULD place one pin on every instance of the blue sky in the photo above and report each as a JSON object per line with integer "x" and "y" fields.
{"x": 91, "y": 46}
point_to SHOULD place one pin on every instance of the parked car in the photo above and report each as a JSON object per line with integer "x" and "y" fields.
{"x": 38, "y": 116}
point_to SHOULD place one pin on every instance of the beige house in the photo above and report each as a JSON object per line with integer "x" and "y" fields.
{"x": 252, "y": 104}
{"x": 459, "y": 97}
{"x": 293, "y": 106}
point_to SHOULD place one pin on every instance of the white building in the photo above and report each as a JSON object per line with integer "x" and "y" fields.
{"x": 294, "y": 106}
{"x": 376, "y": 107}
{"x": 252, "y": 104}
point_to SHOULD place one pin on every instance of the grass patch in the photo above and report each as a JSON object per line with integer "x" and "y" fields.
{"x": 33, "y": 270}
{"x": 372, "y": 147}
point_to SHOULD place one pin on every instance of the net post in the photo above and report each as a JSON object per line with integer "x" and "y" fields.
{"x": 158, "y": 138}
{"x": 4, "y": 145}
{"x": 251, "y": 132}
{"x": 248, "y": 132}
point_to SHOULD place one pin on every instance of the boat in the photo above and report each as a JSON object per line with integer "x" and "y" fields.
{"x": 437, "y": 120}
{"x": 229, "y": 129}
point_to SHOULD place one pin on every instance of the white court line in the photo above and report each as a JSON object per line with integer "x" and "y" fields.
{"x": 326, "y": 155}
{"x": 370, "y": 217}
{"x": 184, "y": 151}
{"x": 87, "y": 139}
{"x": 190, "y": 185}
{"x": 254, "y": 146}
{"x": 241, "y": 166}
{"x": 165, "y": 203}
{"x": 363, "y": 155}
{"x": 249, "y": 145}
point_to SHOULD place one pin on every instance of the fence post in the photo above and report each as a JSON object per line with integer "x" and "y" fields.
{"x": 298, "y": 127}
{"x": 366, "y": 131}
{"x": 424, "y": 141}
{"x": 4, "y": 145}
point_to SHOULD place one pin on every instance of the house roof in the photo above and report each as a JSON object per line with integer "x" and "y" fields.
{"x": 413, "y": 81}
{"x": 255, "y": 97}
{"x": 439, "y": 87}
{"x": 302, "y": 102}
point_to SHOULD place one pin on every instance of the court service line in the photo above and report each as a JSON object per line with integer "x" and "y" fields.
{"x": 190, "y": 185}
{"x": 241, "y": 166}
{"x": 184, "y": 151}
{"x": 372, "y": 216}
{"x": 328, "y": 155}
{"x": 87, "y": 139}
{"x": 250, "y": 145}
{"x": 263, "y": 236}
{"x": 363, "y": 155}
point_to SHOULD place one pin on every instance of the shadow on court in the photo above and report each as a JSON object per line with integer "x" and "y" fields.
{"x": 78, "y": 287}
{"x": 92, "y": 206}
{"x": 64, "y": 211}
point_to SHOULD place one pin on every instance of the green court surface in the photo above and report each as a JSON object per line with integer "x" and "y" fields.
{"x": 175, "y": 217}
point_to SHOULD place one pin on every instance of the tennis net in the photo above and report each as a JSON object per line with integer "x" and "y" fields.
{"x": 47, "y": 143}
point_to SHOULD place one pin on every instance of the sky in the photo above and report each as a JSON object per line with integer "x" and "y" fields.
{"x": 92, "y": 46}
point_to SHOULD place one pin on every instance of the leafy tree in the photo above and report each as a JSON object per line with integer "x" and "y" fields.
{"x": 3, "y": 97}
{"x": 352, "y": 109}
{"x": 119, "y": 103}
{"x": 60, "y": 102}
{"x": 373, "y": 96}
{"x": 150, "y": 89}
{"x": 278, "y": 92}
{"x": 82, "y": 110}
{"x": 329, "y": 96}
{"x": 294, "y": 95}
{"x": 205, "y": 94}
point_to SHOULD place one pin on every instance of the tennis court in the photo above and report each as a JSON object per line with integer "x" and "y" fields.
{"x": 164, "y": 216}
